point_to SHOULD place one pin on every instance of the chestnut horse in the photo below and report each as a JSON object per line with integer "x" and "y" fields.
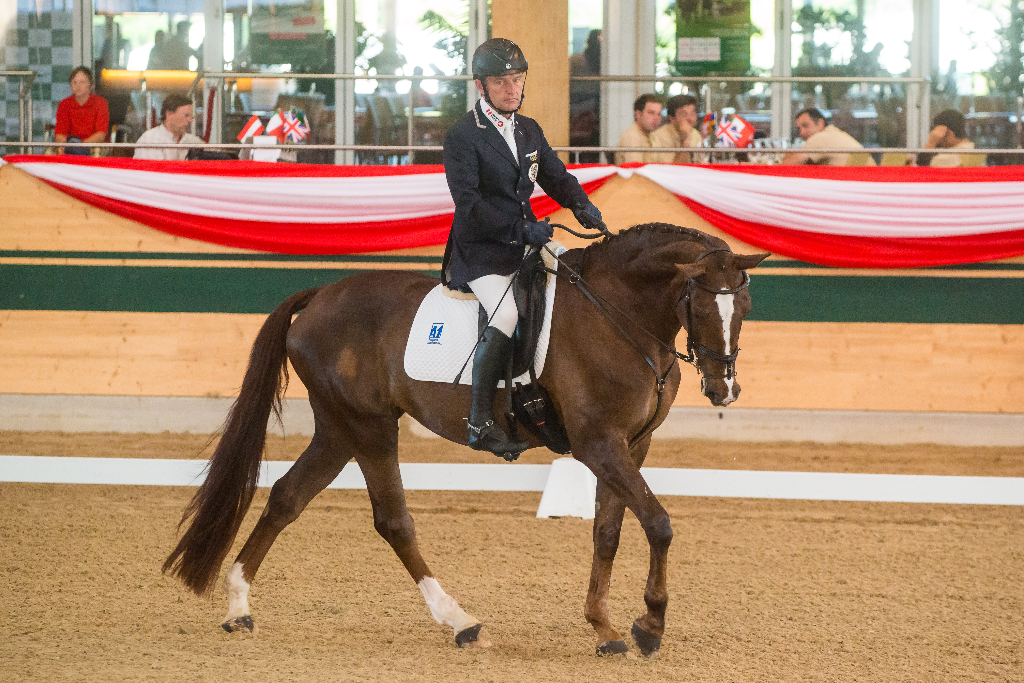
{"x": 611, "y": 369}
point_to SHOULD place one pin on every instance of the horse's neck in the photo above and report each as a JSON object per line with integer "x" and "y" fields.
{"x": 644, "y": 281}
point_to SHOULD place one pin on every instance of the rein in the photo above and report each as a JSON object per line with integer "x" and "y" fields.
{"x": 729, "y": 360}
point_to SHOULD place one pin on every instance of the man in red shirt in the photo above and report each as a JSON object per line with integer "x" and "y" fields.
{"x": 83, "y": 117}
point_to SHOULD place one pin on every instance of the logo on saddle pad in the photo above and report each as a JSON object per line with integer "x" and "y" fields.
{"x": 435, "y": 333}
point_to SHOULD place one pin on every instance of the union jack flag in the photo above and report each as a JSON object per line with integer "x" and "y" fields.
{"x": 738, "y": 133}
{"x": 294, "y": 127}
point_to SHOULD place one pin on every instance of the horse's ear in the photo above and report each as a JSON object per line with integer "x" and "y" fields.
{"x": 746, "y": 261}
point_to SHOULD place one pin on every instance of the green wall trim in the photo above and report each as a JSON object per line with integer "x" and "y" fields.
{"x": 887, "y": 299}
{"x": 798, "y": 298}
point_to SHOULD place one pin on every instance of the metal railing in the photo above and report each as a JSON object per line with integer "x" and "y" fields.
{"x": 26, "y": 78}
{"x": 410, "y": 148}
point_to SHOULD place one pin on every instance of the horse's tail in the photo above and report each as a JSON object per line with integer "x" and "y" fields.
{"x": 220, "y": 504}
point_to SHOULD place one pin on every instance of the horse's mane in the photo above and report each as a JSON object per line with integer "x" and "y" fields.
{"x": 637, "y": 233}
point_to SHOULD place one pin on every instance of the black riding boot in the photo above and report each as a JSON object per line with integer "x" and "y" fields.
{"x": 488, "y": 364}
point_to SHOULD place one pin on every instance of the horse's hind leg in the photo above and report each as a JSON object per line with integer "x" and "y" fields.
{"x": 393, "y": 522}
{"x": 607, "y": 527}
{"x": 317, "y": 467}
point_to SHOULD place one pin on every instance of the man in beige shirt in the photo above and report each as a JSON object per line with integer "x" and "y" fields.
{"x": 949, "y": 131}
{"x": 680, "y": 131}
{"x": 810, "y": 125}
{"x": 646, "y": 119}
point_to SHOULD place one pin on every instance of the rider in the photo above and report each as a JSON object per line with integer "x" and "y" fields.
{"x": 492, "y": 158}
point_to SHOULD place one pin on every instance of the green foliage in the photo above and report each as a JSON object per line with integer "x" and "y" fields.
{"x": 1007, "y": 74}
{"x": 454, "y": 41}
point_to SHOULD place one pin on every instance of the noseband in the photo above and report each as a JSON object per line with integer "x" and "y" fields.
{"x": 692, "y": 347}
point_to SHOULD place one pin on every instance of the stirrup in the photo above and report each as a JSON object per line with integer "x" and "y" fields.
{"x": 490, "y": 437}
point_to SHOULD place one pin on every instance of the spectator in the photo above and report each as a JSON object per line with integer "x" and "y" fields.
{"x": 949, "y": 131}
{"x": 176, "y": 112}
{"x": 176, "y": 50}
{"x": 646, "y": 119}
{"x": 585, "y": 99}
{"x": 156, "y": 53}
{"x": 82, "y": 117}
{"x": 810, "y": 125}
{"x": 680, "y": 131}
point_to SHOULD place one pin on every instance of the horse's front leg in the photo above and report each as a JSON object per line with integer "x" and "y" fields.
{"x": 393, "y": 522}
{"x": 619, "y": 475}
{"x": 607, "y": 526}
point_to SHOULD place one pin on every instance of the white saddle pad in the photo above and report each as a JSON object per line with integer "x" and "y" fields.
{"x": 444, "y": 333}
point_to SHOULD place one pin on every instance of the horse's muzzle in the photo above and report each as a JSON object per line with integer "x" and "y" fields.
{"x": 720, "y": 391}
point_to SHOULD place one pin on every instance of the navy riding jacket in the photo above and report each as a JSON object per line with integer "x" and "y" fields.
{"x": 492, "y": 189}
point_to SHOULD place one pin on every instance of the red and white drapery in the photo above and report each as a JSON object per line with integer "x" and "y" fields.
{"x": 855, "y": 217}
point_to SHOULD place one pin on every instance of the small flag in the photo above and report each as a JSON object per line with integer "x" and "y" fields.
{"x": 707, "y": 124}
{"x": 252, "y": 128}
{"x": 738, "y": 133}
{"x": 275, "y": 126}
{"x": 294, "y": 128}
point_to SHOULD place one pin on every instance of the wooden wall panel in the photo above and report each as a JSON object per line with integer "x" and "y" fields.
{"x": 541, "y": 29}
{"x": 820, "y": 366}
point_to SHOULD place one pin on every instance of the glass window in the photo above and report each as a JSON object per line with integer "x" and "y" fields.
{"x": 855, "y": 38}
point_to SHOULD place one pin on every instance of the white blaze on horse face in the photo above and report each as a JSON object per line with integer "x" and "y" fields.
{"x": 727, "y": 309}
{"x": 443, "y": 607}
{"x": 238, "y": 592}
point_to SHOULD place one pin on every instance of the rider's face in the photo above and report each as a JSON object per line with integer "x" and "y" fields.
{"x": 506, "y": 92}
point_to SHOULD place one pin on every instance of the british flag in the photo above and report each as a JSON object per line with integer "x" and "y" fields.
{"x": 294, "y": 127}
{"x": 738, "y": 133}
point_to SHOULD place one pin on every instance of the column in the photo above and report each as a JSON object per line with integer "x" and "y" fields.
{"x": 627, "y": 49}
{"x": 541, "y": 29}
{"x": 344, "y": 90}
{"x": 782, "y": 93}
{"x": 213, "y": 60}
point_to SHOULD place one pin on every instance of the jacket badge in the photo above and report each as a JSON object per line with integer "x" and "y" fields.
{"x": 532, "y": 155}
{"x": 533, "y": 172}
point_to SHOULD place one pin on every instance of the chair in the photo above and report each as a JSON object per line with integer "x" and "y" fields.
{"x": 896, "y": 159}
{"x": 860, "y": 159}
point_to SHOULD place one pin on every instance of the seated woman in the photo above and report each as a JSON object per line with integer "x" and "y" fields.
{"x": 84, "y": 117}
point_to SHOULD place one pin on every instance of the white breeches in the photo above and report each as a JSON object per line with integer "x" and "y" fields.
{"x": 489, "y": 290}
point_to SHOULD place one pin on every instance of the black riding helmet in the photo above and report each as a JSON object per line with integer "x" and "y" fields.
{"x": 497, "y": 57}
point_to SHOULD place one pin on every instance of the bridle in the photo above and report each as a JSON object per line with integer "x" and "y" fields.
{"x": 728, "y": 360}
{"x": 694, "y": 351}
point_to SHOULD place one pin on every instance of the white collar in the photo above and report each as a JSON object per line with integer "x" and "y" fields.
{"x": 499, "y": 121}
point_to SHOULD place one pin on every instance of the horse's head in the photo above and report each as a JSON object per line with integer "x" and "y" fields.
{"x": 714, "y": 301}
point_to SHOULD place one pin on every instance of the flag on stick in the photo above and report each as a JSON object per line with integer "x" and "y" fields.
{"x": 294, "y": 128}
{"x": 275, "y": 126}
{"x": 252, "y": 128}
{"x": 738, "y": 133}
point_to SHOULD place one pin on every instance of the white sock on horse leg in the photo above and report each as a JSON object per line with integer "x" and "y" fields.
{"x": 238, "y": 592}
{"x": 443, "y": 607}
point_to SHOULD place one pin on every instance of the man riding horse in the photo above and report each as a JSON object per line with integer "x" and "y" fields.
{"x": 492, "y": 159}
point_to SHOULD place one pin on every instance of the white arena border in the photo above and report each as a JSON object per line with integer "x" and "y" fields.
{"x": 890, "y": 488}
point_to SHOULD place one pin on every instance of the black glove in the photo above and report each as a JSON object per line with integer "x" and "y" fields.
{"x": 538, "y": 233}
{"x": 589, "y": 217}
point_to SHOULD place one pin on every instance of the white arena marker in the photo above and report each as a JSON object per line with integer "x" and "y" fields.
{"x": 569, "y": 492}
{"x": 564, "y": 481}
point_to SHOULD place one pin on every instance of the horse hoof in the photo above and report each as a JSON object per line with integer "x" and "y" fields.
{"x": 648, "y": 644}
{"x": 612, "y": 647}
{"x": 470, "y": 637}
{"x": 239, "y": 623}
